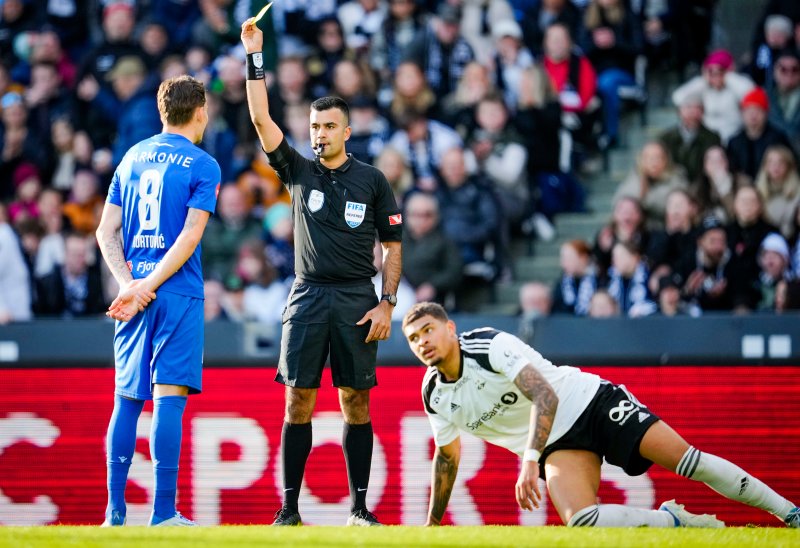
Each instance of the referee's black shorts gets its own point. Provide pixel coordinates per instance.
(320, 320)
(612, 426)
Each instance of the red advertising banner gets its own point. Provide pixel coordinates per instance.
(53, 422)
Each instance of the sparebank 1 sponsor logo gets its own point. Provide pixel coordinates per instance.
(499, 408)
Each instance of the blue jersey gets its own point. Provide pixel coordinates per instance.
(155, 184)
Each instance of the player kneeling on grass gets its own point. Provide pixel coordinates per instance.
(496, 387)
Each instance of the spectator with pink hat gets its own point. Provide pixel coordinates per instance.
(722, 89)
(28, 186)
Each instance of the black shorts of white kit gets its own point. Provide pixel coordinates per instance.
(320, 320)
(612, 426)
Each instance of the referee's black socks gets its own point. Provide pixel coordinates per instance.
(296, 444)
(357, 447)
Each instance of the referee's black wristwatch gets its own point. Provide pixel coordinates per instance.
(391, 298)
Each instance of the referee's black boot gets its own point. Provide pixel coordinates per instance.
(363, 518)
(287, 516)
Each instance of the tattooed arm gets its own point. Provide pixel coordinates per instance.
(543, 411)
(110, 243)
(443, 477)
(108, 238)
(173, 260)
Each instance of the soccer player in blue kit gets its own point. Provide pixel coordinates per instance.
(161, 197)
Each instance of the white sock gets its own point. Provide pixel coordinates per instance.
(729, 480)
(617, 515)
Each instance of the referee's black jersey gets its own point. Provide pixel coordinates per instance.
(336, 215)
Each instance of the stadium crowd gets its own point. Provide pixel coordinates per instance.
(482, 114)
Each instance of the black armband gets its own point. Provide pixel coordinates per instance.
(255, 66)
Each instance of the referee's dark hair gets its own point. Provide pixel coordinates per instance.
(327, 103)
(178, 98)
(435, 310)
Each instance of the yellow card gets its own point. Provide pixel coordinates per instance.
(261, 13)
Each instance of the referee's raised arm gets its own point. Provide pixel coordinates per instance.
(268, 131)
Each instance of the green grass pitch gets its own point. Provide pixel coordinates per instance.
(350, 537)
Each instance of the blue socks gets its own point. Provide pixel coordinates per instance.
(120, 445)
(165, 450)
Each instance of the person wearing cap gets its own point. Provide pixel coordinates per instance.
(787, 8)
(747, 147)
(722, 89)
(778, 35)
(783, 92)
(510, 59)
(711, 279)
(118, 23)
(27, 187)
(478, 19)
(775, 267)
(688, 141)
(441, 51)
(130, 105)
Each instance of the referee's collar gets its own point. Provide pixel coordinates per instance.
(344, 167)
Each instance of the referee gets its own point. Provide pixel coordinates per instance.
(339, 204)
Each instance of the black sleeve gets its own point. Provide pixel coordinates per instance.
(428, 384)
(388, 219)
(283, 160)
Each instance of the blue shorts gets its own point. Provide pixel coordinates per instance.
(162, 345)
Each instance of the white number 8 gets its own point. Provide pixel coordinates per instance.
(149, 194)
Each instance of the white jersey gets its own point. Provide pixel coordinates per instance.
(485, 402)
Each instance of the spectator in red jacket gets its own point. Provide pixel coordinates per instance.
(571, 73)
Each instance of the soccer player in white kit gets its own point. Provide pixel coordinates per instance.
(491, 384)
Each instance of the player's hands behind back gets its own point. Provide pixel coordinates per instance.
(131, 299)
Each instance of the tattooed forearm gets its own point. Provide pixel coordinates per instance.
(443, 478)
(545, 402)
(111, 248)
(392, 268)
(192, 218)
